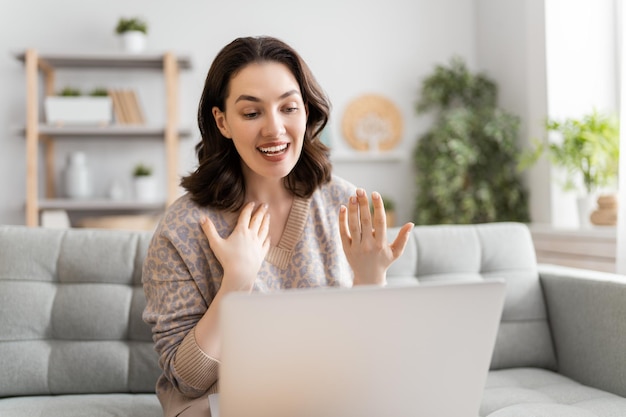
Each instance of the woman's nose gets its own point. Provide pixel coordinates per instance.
(274, 126)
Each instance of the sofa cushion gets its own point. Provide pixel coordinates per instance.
(70, 308)
(501, 251)
(86, 405)
(527, 392)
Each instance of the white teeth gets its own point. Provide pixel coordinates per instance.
(274, 149)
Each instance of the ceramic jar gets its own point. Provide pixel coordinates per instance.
(76, 176)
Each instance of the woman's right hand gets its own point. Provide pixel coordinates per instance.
(242, 253)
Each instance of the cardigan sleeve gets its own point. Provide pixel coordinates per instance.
(175, 302)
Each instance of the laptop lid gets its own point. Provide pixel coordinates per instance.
(368, 351)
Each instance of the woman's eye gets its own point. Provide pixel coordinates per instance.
(291, 109)
(250, 115)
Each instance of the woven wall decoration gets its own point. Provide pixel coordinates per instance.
(372, 122)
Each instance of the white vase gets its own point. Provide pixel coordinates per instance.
(585, 207)
(76, 176)
(146, 189)
(133, 41)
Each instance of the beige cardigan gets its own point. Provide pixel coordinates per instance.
(181, 276)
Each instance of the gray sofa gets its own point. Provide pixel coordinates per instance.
(561, 344)
(72, 342)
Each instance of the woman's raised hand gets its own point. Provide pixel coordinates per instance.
(242, 253)
(364, 239)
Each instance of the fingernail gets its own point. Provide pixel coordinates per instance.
(375, 195)
(360, 192)
(353, 200)
(203, 220)
(342, 209)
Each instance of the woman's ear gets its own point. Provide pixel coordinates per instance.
(220, 121)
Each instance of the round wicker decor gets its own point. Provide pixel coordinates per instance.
(372, 122)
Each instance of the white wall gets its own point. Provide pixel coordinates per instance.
(582, 75)
(621, 214)
(511, 49)
(352, 46)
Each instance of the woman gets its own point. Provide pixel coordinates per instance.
(262, 212)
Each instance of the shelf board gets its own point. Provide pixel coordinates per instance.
(119, 131)
(98, 205)
(593, 231)
(111, 60)
(388, 156)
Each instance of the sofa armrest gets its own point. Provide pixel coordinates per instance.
(587, 315)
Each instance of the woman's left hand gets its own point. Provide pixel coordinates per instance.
(364, 239)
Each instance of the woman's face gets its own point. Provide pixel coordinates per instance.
(265, 117)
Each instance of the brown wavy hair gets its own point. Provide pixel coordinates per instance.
(218, 180)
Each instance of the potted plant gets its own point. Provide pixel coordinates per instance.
(133, 33)
(464, 162)
(144, 183)
(71, 107)
(587, 150)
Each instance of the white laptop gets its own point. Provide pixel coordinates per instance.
(364, 352)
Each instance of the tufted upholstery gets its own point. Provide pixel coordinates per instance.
(522, 381)
(530, 392)
(484, 252)
(71, 304)
(70, 317)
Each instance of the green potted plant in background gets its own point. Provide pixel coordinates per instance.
(588, 151)
(70, 92)
(71, 107)
(133, 33)
(466, 162)
(144, 183)
(99, 92)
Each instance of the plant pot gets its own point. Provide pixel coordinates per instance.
(606, 213)
(146, 189)
(133, 41)
(78, 110)
(585, 205)
(390, 218)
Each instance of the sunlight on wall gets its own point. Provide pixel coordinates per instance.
(581, 59)
(621, 215)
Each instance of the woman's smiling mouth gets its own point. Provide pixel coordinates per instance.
(273, 150)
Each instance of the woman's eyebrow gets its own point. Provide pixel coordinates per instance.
(289, 93)
(245, 97)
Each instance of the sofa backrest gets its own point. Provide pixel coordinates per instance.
(483, 252)
(70, 312)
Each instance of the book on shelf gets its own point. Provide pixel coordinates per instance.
(118, 112)
(126, 107)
